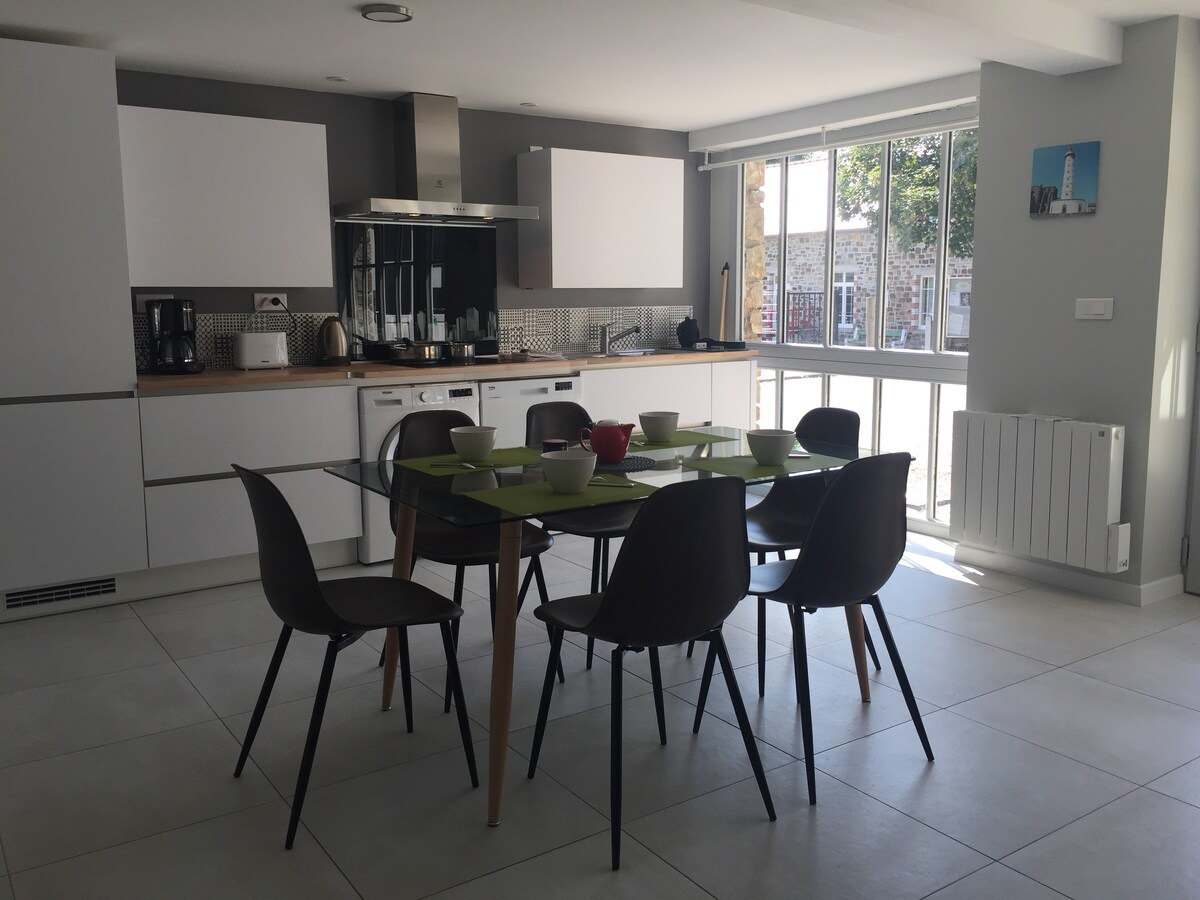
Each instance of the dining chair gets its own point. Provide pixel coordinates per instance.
(342, 610)
(781, 521)
(852, 547)
(563, 419)
(681, 570)
(427, 433)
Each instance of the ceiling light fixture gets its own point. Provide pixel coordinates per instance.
(386, 12)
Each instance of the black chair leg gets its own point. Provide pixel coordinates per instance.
(525, 582)
(889, 642)
(591, 643)
(464, 724)
(762, 646)
(800, 654)
(406, 679)
(459, 572)
(691, 647)
(656, 681)
(614, 776)
(871, 646)
(705, 682)
(263, 696)
(739, 709)
(314, 732)
(535, 567)
(598, 547)
(539, 730)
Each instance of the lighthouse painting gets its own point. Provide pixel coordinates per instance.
(1065, 180)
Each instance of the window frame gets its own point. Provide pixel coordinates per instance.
(940, 363)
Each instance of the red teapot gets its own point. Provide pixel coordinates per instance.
(609, 440)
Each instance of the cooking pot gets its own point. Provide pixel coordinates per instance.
(462, 353)
(424, 353)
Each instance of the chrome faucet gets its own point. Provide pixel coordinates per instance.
(606, 340)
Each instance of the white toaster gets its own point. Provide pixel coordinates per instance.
(260, 350)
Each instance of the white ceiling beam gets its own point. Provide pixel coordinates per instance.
(1034, 34)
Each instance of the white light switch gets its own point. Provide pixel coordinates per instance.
(1093, 307)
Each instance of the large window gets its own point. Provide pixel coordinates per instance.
(876, 240)
(896, 415)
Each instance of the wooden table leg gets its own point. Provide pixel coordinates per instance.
(858, 645)
(406, 526)
(504, 640)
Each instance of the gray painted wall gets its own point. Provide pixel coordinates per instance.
(359, 133)
(1028, 353)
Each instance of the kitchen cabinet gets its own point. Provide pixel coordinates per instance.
(195, 506)
(733, 385)
(216, 201)
(607, 220)
(72, 488)
(621, 393)
(65, 286)
(192, 521)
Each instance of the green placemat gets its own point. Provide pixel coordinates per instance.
(679, 439)
(498, 459)
(746, 467)
(536, 498)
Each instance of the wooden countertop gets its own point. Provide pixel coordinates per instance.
(364, 373)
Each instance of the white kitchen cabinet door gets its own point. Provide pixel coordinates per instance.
(733, 393)
(606, 220)
(201, 434)
(225, 201)
(71, 485)
(195, 521)
(64, 288)
(622, 393)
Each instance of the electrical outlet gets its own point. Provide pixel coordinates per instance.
(270, 301)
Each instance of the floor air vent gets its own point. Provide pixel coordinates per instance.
(38, 596)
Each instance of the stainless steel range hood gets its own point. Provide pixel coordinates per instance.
(428, 171)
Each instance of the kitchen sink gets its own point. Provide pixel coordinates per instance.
(639, 351)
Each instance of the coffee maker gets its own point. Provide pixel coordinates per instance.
(172, 325)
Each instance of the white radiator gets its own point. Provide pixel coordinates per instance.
(1040, 486)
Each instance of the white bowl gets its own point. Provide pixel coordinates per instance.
(658, 426)
(473, 443)
(568, 471)
(770, 446)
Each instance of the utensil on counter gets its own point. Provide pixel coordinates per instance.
(408, 352)
(462, 353)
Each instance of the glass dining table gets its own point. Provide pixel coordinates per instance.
(509, 488)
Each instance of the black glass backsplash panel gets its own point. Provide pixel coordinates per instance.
(425, 282)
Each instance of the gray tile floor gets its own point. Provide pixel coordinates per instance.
(1066, 728)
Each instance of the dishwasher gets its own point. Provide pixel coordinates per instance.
(503, 403)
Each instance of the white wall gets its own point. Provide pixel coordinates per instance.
(1028, 353)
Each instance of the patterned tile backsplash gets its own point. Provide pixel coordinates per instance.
(558, 330)
(577, 330)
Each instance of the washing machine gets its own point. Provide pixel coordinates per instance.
(380, 411)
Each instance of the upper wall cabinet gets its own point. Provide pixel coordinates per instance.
(64, 277)
(224, 201)
(608, 220)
